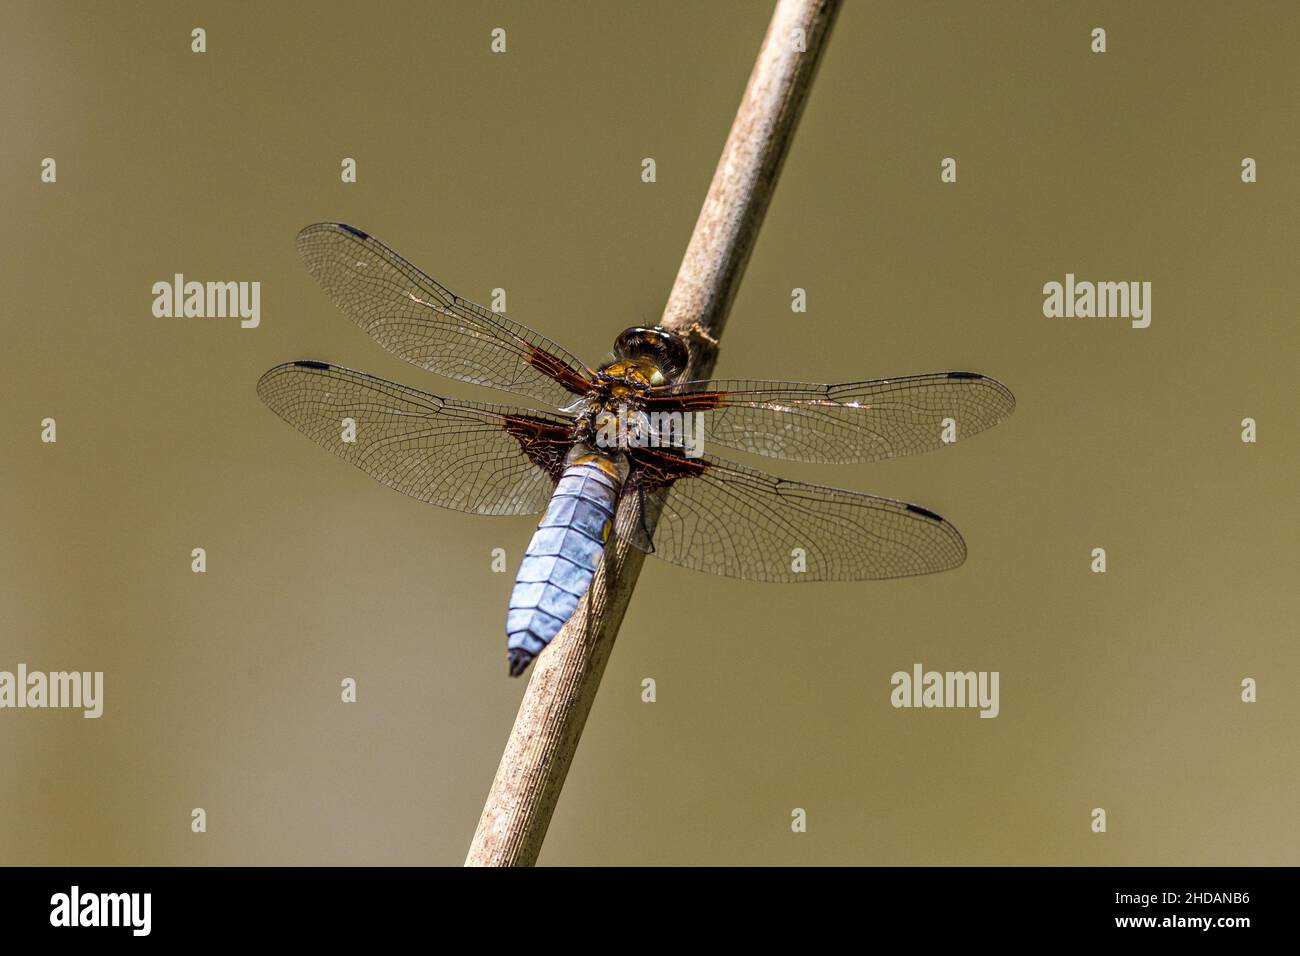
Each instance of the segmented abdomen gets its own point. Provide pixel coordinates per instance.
(560, 560)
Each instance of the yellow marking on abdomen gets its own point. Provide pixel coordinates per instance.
(600, 461)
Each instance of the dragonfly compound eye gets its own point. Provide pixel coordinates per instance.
(667, 350)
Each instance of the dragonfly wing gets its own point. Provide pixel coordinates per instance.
(421, 321)
(716, 516)
(468, 456)
(853, 422)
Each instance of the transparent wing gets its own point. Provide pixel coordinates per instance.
(419, 320)
(854, 422)
(468, 456)
(716, 516)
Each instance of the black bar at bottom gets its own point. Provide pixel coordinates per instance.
(237, 904)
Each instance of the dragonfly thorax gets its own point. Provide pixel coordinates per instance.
(611, 415)
(612, 419)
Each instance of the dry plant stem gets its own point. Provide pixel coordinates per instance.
(567, 674)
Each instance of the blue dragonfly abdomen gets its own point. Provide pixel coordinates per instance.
(562, 557)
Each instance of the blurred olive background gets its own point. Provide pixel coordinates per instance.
(522, 171)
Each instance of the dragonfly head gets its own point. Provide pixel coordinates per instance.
(664, 350)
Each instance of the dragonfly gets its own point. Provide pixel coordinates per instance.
(633, 428)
